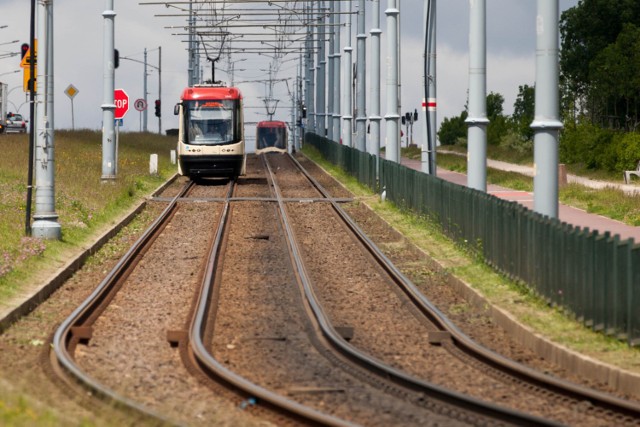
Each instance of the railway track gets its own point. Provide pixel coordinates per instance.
(443, 333)
(78, 327)
(338, 374)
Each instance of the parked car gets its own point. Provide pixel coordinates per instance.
(15, 123)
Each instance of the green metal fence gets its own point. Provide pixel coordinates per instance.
(356, 163)
(594, 276)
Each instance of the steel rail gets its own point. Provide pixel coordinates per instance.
(208, 364)
(466, 344)
(398, 377)
(70, 330)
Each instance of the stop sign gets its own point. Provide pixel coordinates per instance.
(121, 99)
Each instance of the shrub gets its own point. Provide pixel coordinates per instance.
(587, 144)
(628, 151)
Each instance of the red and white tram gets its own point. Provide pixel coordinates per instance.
(211, 132)
(271, 136)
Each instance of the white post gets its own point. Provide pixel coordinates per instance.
(153, 164)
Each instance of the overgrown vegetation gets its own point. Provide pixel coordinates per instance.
(83, 201)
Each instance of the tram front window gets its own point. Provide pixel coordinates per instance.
(210, 122)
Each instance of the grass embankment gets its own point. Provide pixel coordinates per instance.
(609, 202)
(85, 205)
(82, 201)
(499, 291)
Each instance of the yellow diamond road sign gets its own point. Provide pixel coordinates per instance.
(71, 91)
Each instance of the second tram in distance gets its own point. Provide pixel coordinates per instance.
(211, 132)
(271, 136)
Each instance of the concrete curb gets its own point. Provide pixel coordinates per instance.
(584, 366)
(35, 297)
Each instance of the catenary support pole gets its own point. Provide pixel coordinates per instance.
(300, 102)
(190, 52)
(330, 75)
(337, 58)
(311, 69)
(321, 125)
(108, 106)
(361, 82)
(347, 99)
(392, 118)
(546, 123)
(477, 119)
(375, 118)
(45, 218)
(429, 130)
(294, 118)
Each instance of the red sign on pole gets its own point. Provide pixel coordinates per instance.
(121, 99)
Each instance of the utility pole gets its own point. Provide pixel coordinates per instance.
(160, 87)
(477, 120)
(546, 123)
(144, 95)
(32, 115)
(45, 224)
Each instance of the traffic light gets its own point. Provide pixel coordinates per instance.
(24, 49)
(158, 112)
(116, 58)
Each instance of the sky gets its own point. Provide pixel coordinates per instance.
(78, 58)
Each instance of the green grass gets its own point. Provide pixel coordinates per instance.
(509, 155)
(82, 201)
(511, 296)
(610, 203)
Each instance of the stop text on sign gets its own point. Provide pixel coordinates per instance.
(121, 101)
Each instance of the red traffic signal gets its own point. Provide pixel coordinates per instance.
(158, 111)
(24, 49)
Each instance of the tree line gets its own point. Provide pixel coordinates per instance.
(599, 92)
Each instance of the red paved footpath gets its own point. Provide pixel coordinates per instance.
(568, 214)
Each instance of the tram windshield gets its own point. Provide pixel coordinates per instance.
(212, 122)
(271, 137)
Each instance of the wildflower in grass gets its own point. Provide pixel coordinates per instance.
(31, 246)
